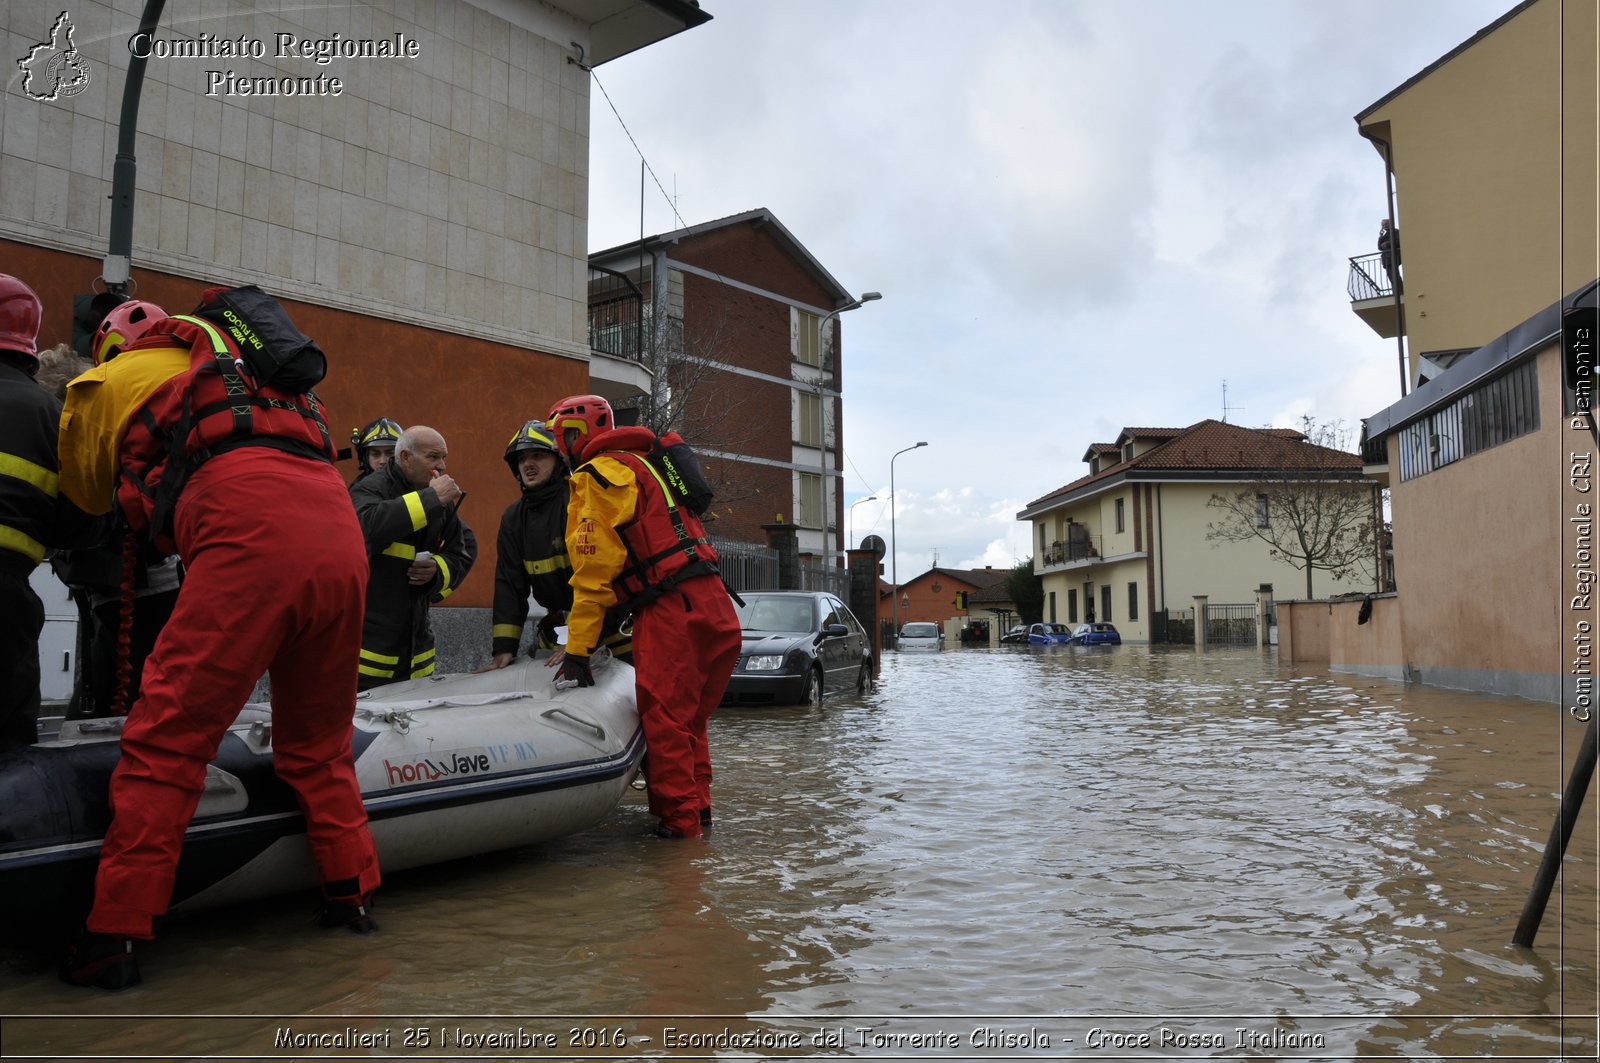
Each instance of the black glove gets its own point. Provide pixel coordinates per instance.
(575, 670)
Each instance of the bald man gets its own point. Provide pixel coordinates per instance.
(419, 549)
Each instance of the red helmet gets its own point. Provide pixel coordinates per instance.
(20, 314)
(125, 323)
(577, 419)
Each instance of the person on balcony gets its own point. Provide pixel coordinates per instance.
(1389, 244)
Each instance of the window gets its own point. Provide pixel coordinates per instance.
(1052, 606)
(1121, 516)
(1133, 601)
(808, 338)
(1072, 606)
(808, 412)
(810, 514)
(1263, 512)
(1127, 451)
(1105, 602)
(1486, 416)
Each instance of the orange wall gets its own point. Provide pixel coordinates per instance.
(476, 392)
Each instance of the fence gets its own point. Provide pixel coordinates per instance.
(1231, 625)
(747, 566)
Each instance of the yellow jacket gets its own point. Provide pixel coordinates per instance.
(596, 512)
(94, 420)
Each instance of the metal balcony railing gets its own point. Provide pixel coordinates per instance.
(1368, 278)
(1065, 553)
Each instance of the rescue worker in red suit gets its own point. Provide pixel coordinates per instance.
(633, 547)
(276, 575)
(31, 515)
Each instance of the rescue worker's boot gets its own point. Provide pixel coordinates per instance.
(102, 960)
(344, 906)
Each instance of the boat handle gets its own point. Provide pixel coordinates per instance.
(599, 732)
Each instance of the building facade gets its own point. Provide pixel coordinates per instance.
(739, 326)
(410, 178)
(1490, 159)
(1133, 541)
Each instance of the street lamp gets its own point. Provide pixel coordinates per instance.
(822, 420)
(894, 569)
(850, 523)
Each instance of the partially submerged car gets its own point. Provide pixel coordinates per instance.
(797, 645)
(921, 635)
(1097, 634)
(1017, 636)
(1049, 634)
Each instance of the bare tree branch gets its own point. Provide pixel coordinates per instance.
(1316, 514)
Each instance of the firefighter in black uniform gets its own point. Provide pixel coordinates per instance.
(420, 551)
(33, 519)
(531, 550)
(374, 445)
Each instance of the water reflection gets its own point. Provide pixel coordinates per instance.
(1147, 839)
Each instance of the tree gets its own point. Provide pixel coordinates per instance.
(1027, 592)
(1310, 504)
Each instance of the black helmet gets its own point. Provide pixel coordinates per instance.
(380, 433)
(532, 436)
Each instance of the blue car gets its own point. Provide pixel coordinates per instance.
(1049, 635)
(1098, 634)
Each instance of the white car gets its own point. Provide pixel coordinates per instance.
(921, 635)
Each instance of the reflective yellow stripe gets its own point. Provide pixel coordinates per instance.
(424, 672)
(29, 473)
(368, 655)
(549, 564)
(419, 518)
(380, 673)
(507, 631)
(425, 655)
(618, 643)
(404, 551)
(444, 570)
(30, 548)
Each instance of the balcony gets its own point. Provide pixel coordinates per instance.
(1079, 553)
(1372, 295)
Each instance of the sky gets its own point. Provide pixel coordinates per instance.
(1082, 215)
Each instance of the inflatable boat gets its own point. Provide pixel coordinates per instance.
(450, 766)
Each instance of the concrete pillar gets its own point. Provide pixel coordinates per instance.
(1200, 601)
(785, 538)
(1263, 615)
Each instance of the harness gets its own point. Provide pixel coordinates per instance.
(682, 561)
(209, 410)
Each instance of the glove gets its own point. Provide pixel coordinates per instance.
(575, 670)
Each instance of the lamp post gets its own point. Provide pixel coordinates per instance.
(850, 523)
(894, 568)
(822, 418)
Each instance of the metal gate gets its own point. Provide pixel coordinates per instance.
(1231, 625)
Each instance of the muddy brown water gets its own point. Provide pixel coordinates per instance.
(1107, 853)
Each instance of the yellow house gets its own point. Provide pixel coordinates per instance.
(1490, 169)
(1136, 539)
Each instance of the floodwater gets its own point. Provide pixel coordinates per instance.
(1121, 852)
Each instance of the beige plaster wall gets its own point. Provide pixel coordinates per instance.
(1495, 167)
(1479, 548)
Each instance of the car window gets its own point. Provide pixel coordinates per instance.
(921, 631)
(772, 613)
(843, 615)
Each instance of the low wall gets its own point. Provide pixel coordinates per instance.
(1330, 633)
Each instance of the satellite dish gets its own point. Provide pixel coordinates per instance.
(876, 544)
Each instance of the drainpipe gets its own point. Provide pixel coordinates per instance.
(117, 268)
(1399, 286)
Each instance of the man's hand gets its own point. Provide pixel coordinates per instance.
(575, 670)
(422, 571)
(444, 485)
(500, 660)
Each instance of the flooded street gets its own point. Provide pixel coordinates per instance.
(1011, 853)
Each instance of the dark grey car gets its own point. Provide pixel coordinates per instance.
(797, 645)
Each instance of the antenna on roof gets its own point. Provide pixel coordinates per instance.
(1225, 406)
